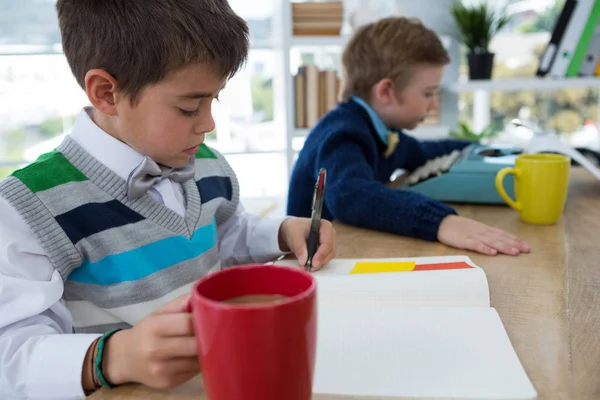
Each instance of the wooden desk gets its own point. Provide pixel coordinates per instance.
(549, 300)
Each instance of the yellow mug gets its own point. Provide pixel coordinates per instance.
(541, 186)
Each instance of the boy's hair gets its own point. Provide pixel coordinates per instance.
(389, 48)
(139, 42)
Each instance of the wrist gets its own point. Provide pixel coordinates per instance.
(444, 224)
(114, 360)
(282, 235)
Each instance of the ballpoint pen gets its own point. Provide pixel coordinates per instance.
(315, 224)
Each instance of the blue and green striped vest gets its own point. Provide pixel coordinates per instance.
(120, 259)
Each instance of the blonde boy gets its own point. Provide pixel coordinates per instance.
(392, 73)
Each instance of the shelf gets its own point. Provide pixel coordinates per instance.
(421, 132)
(301, 132)
(430, 132)
(517, 84)
(319, 41)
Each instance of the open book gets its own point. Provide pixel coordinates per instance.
(418, 328)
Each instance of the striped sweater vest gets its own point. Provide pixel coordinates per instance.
(120, 259)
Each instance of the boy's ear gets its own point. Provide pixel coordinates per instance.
(102, 90)
(384, 91)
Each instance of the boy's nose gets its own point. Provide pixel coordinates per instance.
(434, 104)
(205, 125)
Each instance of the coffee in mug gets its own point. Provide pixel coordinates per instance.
(256, 299)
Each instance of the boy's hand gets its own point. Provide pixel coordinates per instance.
(468, 234)
(293, 235)
(159, 351)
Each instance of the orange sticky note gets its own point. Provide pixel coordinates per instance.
(442, 266)
(373, 267)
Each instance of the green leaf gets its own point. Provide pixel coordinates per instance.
(477, 24)
(465, 132)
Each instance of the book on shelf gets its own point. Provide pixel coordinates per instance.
(323, 18)
(412, 328)
(315, 93)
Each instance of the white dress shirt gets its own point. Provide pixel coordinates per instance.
(39, 356)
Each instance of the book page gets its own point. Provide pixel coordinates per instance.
(552, 143)
(464, 287)
(417, 353)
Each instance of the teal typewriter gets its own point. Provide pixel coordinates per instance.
(465, 176)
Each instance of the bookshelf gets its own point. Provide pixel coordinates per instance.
(431, 12)
(424, 132)
(434, 14)
(482, 91)
(319, 41)
(518, 84)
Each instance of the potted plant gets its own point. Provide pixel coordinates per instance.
(477, 24)
(464, 132)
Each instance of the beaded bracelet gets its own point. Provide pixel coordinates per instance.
(98, 359)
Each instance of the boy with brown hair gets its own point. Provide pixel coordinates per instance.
(392, 71)
(102, 239)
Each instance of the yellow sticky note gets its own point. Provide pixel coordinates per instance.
(373, 267)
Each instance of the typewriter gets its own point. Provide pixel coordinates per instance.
(465, 176)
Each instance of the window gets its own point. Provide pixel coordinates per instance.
(37, 94)
(39, 98)
(572, 112)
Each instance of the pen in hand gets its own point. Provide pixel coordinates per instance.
(315, 224)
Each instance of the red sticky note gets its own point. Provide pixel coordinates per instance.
(442, 266)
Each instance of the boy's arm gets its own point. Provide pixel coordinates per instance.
(418, 152)
(355, 197)
(37, 358)
(246, 238)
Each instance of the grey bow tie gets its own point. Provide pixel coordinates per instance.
(149, 173)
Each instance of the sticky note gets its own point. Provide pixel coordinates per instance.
(373, 267)
(442, 266)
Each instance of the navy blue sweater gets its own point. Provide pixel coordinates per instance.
(345, 143)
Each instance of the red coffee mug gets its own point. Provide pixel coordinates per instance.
(261, 351)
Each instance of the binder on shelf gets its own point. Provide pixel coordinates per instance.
(573, 33)
(590, 60)
(549, 54)
(585, 40)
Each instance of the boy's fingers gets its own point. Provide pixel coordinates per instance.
(507, 244)
(301, 253)
(516, 242)
(480, 247)
(174, 324)
(500, 232)
(326, 250)
(178, 347)
(322, 260)
(178, 305)
(184, 365)
(503, 245)
(485, 249)
(325, 253)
